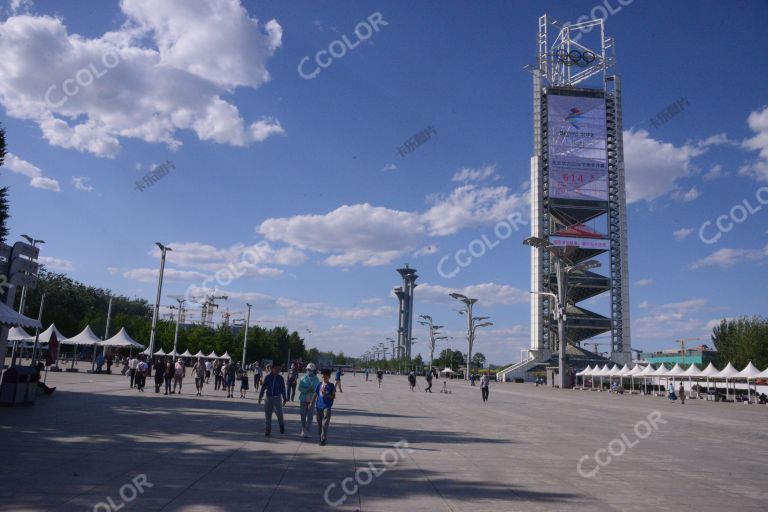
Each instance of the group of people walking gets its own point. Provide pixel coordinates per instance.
(316, 397)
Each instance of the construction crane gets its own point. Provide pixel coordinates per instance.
(227, 314)
(682, 347)
(209, 305)
(183, 312)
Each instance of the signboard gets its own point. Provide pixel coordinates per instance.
(581, 243)
(578, 161)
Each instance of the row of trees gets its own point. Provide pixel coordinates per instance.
(742, 340)
(72, 306)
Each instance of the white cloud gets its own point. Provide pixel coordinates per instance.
(758, 123)
(426, 251)
(487, 293)
(687, 197)
(56, 264)
(166, 69)
(79, 183)
(351, 234)
(682, 233)
(113, 270)
(670, 321)
(374, 235)
(389, 167)
(719, 139)
(149, 275)
(249, 260)
(17, 6)
(471, 206)
(643, 282)
(715, 172)
(482, 173)
(34, 173)
(653, 167)
(727, 257)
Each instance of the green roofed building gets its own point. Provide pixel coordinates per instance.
(701, 356)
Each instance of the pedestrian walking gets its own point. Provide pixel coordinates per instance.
(326, 394)
(133, 364)
(681, 392)
(274, 388)
(484, 382)
(338, 379)
(110, 360)
(379, 377)
(125, 367)
(428, 389)
(307, 397)
(256, 375)
(366, 375)
(159, 368)
(168, 375)
(243, 382)
(180, 371)
(208, 368)
(230, 374)
(198, 371)
(217, 375)
(293, 377)
(412, 380)
(141, 374)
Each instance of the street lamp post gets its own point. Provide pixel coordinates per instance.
(23, 298)
(562, 270)
(468, 303)
(245, 336)
(181, 302)
(433, 329)
(156, 311)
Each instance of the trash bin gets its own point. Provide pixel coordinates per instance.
(19, 386)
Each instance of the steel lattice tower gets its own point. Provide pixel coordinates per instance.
(577, 177)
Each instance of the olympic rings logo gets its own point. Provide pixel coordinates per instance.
(575, 57)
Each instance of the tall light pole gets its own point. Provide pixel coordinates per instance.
(245, 336)
(23, 298)
(156, 311)
(392, 341)
(468, 303)
(562, 270)
(433, 329)
(181, 302)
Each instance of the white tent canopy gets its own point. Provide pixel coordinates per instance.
(647, 371)
(86, 337)
(692, 371)
(212, 355)
(624, 372)
(10, 317)
(18, 334)
(604, 371)
(586, 371)
(749, 372)
(763, 374)
(661, 371)
(226, 356)
(45, 336)
(121, 339)
(186, 353)
(676, 371)
(709, 371)
(160, 352)
(615, 371)
(199, 354)
(446, 370)
(728, 372)
(637, 370)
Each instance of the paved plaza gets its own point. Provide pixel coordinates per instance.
(95, 442)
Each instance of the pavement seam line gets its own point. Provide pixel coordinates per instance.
(282, 477)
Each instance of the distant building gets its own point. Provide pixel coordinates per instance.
(701, 356)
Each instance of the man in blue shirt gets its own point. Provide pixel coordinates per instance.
(326, 393)
(274, 386)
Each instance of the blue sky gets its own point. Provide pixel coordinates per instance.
(308, 170)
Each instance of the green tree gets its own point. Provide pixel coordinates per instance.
(742, 340)
(478, 359)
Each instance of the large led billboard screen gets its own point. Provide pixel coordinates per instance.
(578, 162)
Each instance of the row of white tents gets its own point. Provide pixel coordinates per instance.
(639, 371)
(87, 338)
